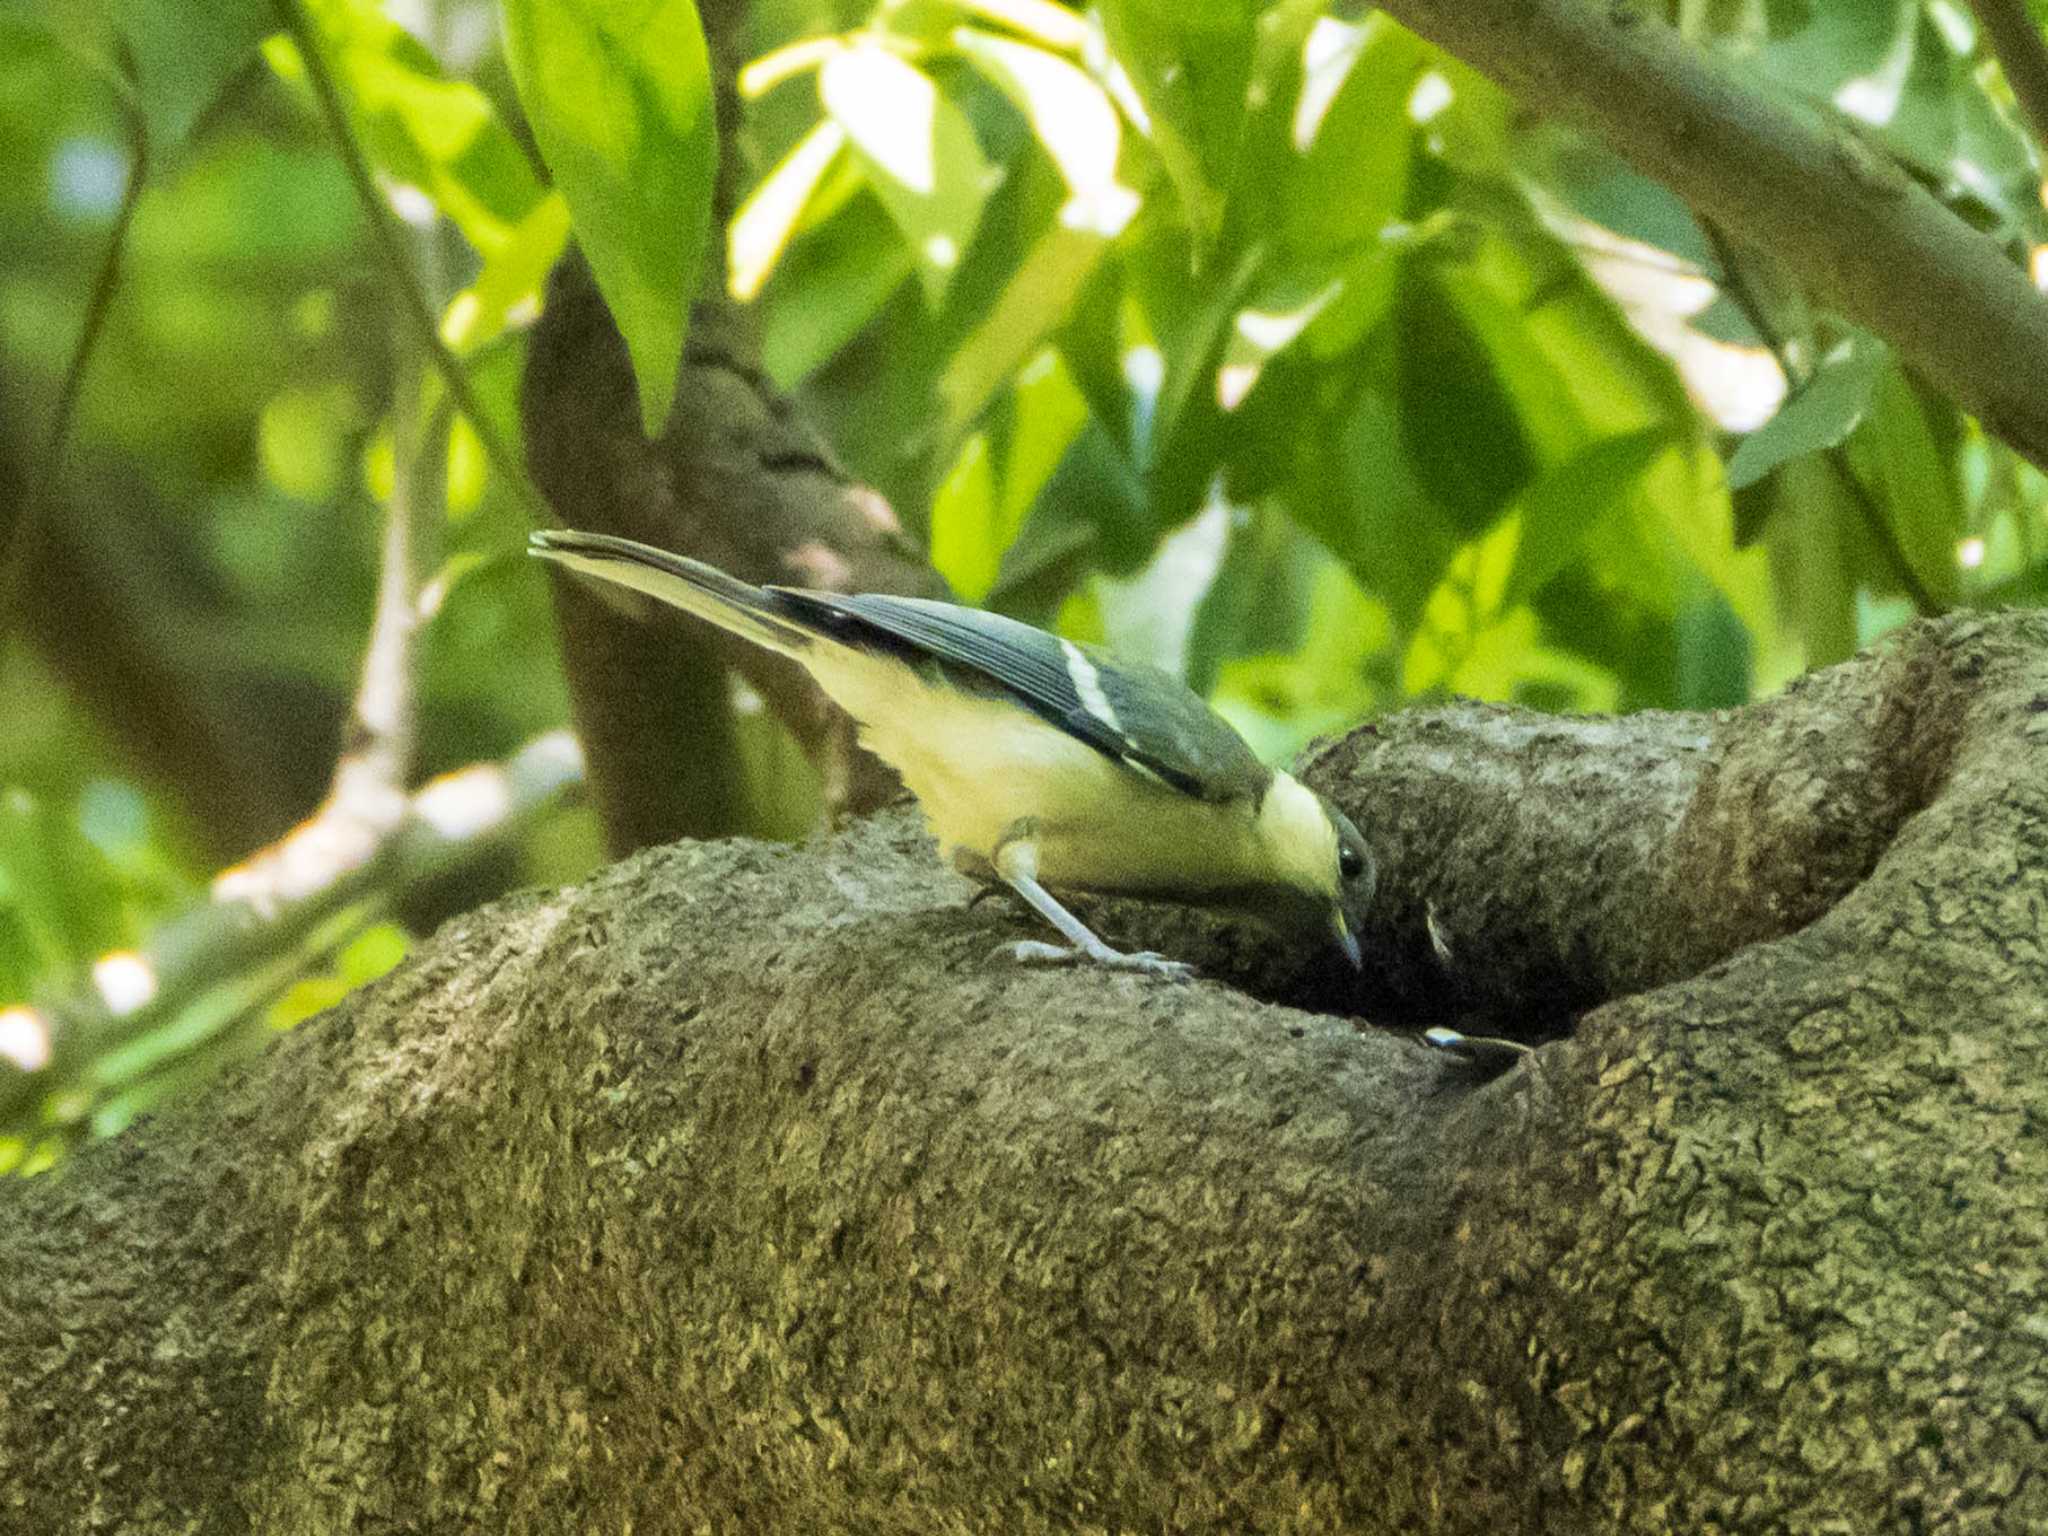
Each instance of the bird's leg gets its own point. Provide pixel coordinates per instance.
(975, 867)
(1016, 860)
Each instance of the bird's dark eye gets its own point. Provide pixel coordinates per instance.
(1350, 862)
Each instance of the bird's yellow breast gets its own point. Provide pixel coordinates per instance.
(980, 765)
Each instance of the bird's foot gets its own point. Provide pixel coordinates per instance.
(1033, 952)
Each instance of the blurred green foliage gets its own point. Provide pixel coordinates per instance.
(1261, 340)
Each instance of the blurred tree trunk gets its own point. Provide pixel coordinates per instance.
(737, 477)
(740, 1190)
(114, 596)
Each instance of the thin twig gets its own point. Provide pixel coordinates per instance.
(370, 778)
(18, 535)
(2022, 55)
(1735, 283)
(291, 16)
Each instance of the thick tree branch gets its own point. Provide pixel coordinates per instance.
(1842, 217)
(740, 1190)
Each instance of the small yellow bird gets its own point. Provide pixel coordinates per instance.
(1042, 763)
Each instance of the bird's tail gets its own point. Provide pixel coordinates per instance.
(687, 584)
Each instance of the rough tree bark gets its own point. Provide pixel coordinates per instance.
(739, 1190)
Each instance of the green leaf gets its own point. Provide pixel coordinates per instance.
(967, 536)
(59, 902)
(1190, 63)
(185, 53)
(619, 96)
(1281, 701)
(1459, 423)
(1351, 177)
(920, 153)
(1899, 447)
(766, 220)
(510, 279)
(1566, 504)
(418, 126)
(1359, 494)
(1277, 313)
(1036, 302)
(1073, 121)
(1090, 514)
(1257, 602)
(834, 280)
(1820, 414)
(1715, 654)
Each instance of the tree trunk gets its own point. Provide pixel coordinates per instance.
(740, 1189)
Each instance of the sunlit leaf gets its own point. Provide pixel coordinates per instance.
(1821, 413)
(1190, 63)
(619, 96)
(369, 955)
(767, 219)
(920, 153)
(1047, 412)
(1350, 177)
(760, 76)
(419, 127)
(1564, 506)
(508, 286)
(1046, 24)
(1070, 116)
(967, 536)
(1467, 602)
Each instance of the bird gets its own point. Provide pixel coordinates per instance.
(1040, 763)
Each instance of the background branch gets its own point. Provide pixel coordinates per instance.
(1844, 219)
(739, 478)
(2022, 55)
(20, 531)
(451, 821)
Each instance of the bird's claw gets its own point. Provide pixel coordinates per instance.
(1034, 952)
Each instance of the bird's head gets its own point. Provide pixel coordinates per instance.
(1324, 868)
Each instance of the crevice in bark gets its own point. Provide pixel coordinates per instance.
(1705, 835)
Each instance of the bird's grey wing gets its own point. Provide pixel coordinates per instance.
(1135, 714)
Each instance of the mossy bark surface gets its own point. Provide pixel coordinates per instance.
(739, 1189)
